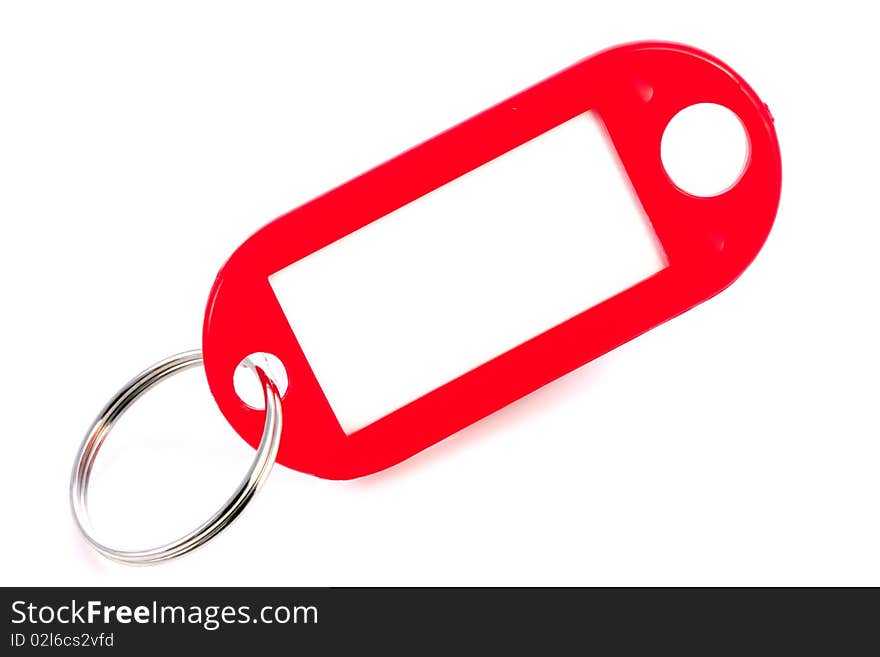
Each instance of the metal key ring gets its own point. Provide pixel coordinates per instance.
(127, 395)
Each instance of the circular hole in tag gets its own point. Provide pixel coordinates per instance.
(704, 149)
(248, 387)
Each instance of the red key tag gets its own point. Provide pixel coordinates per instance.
(262, 302)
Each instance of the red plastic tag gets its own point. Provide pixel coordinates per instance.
(635, 89)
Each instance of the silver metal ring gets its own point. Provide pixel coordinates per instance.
(127, 395)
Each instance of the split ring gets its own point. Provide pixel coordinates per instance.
(100, 429)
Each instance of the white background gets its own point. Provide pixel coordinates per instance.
(737, 444)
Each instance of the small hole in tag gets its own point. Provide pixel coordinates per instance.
(704, 149)
(247, 386)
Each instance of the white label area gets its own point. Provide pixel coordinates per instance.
(468, 271)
